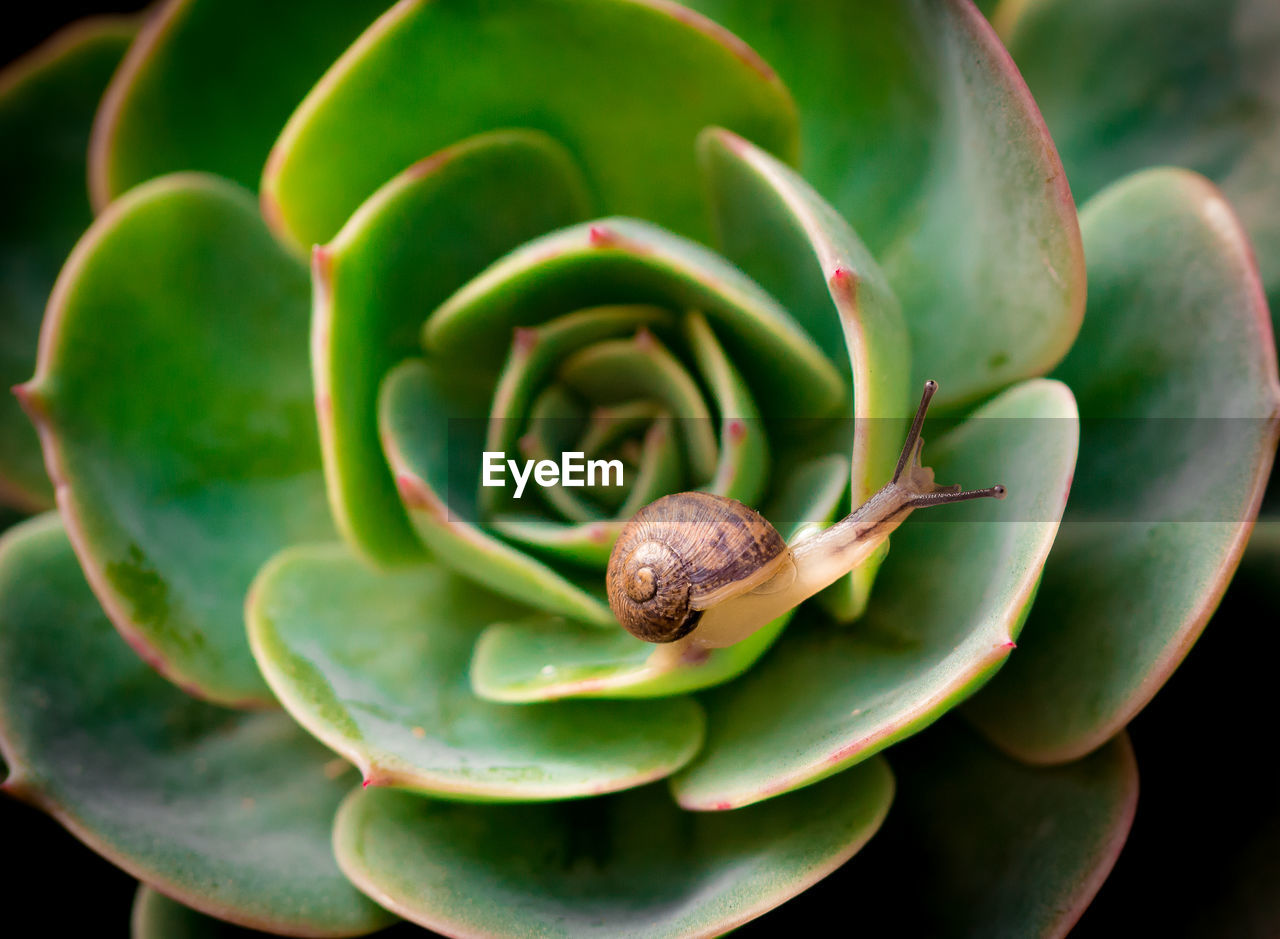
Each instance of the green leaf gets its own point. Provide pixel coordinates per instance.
(1175, 372)
(777, 228)
(947, 608)
(548, 658)
(375, 665)
(544, 658)
(950, 176)
(742, 468)
(587, 544)
(413, 242)
(1000, 849)
(265, 57)
(155, 916)
(47, 100)
(174, 402)
(626, 261)
(631, 864)
(626, 85)
(556, 418)
(606, 433)
(420, 407)
(1186, 84)
(228, 812)
(619, 370)
(588, 539)
(536, 355)
(1202, 834)
(519, 422)
(659, 468)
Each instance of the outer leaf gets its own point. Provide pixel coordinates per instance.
(155, 916)
(227, 812)
(1187, 83)
(224, 126)
(952, 596)
(631, 864)
(999, 849)
(420, 408)
(1176, 376)
(1204, 834)
(413, 242)
(47, 100)
(952, 177)
(375, 665)
(173, 400)
(780, 230)
(427, 74)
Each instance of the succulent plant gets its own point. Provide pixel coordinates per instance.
(723, 243)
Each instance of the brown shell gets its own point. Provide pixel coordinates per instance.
(682, 553)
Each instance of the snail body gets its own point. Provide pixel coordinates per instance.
(707, 571)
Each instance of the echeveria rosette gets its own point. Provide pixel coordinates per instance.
(492, 252)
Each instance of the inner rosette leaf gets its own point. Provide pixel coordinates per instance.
(614, 315)
(631, 351)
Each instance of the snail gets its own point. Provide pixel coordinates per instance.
(707, 571)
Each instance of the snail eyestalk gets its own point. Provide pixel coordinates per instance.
(819, 559)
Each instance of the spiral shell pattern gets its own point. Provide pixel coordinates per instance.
(681, 551)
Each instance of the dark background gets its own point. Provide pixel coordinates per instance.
(1203, 858)
(40, 20)
(47, 876)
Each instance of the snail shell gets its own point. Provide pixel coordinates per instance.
(683, 554)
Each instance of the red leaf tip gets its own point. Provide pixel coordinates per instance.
(414, 493)
(428, 165)
(732, 141)
(843, 279)
(322, 262)
(524, 339)
(31, 399)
